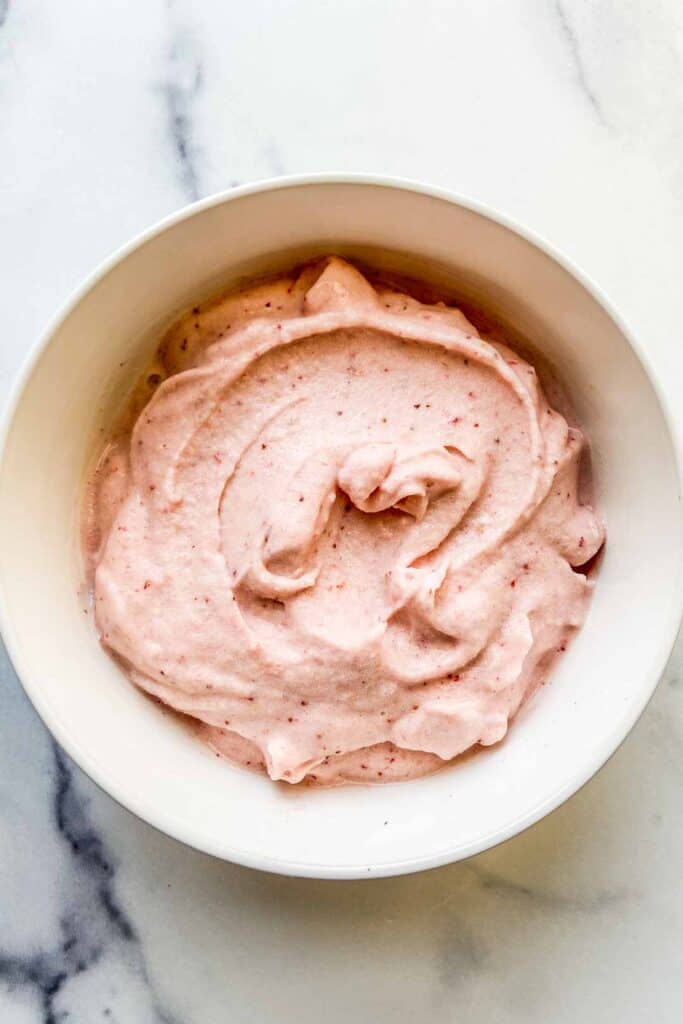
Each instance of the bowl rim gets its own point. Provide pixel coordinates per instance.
(159, 819)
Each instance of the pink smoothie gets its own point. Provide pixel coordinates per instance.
(343, 533)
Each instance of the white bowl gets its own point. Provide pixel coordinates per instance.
(141, 756)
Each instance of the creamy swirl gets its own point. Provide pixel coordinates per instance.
(341, 533)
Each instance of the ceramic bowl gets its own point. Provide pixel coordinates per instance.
(141, 756)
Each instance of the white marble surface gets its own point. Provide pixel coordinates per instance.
(566, 115)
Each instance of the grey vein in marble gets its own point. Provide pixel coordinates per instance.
(458, 952)
(182, 85)
(92, 924)
(273, 158)
(4, 10)
(542, 898)
(572, 40)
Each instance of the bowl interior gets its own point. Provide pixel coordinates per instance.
(142, 756)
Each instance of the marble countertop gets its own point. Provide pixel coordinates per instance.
(567, 116)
